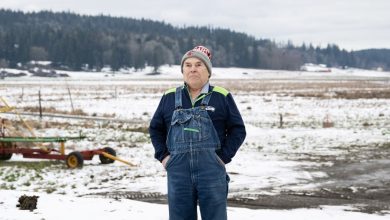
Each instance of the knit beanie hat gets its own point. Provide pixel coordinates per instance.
(201, 53)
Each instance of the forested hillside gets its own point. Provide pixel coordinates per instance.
(92, 42)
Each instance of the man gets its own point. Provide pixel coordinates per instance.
(195, 131)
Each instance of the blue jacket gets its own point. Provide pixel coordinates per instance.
(226, 118)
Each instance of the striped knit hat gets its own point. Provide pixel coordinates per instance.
(201, 53)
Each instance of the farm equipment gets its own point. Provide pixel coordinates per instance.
(16, 145)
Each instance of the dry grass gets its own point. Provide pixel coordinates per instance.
(325, 88)
(17, 127)
(54, 110)
(321, 89)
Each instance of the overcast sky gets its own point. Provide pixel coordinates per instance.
(351, 24)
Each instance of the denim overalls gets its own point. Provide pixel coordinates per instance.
(195, 172)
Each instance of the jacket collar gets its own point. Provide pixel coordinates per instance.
(205, 88)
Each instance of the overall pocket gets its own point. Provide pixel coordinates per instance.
(189, 128)
(169, 162)
(219, 161)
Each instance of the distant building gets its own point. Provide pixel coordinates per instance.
(310, 67)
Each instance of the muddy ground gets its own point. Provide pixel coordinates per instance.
(360, 181)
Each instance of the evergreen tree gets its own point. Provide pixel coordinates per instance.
(80, 41)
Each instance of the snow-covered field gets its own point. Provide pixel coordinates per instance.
(299, 155)
(64, 207)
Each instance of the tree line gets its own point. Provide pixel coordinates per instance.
(78, 42)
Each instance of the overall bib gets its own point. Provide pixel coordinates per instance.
(194, 170)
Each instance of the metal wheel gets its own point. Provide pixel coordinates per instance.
(74, 160)
(106, 160)
(5, 156)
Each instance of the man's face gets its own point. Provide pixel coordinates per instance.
(195, 73)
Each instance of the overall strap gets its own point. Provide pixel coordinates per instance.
(206, 99)
(178, 102)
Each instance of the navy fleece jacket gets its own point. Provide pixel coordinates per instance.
(226, 119)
